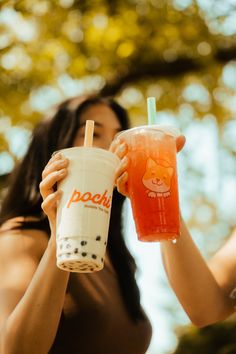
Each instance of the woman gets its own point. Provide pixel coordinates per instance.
(44, 309)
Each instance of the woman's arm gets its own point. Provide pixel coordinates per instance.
(205, 299)
(32, 288)
(31, 295)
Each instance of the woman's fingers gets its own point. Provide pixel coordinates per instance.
(114, 145)
(122, 184)
(180, 142)
(121, 177)
(119, 148)
(55, 171)
(46, 185)
(122, 167)
(56, 163)
(50, 203)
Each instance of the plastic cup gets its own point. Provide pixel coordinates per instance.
(83, 213)
(152, 181)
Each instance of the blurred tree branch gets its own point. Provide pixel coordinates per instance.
(156, 68)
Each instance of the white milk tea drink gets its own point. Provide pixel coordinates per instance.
(83, 213)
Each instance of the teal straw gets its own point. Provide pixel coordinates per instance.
(151, 108)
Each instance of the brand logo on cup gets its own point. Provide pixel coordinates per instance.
(99, 199)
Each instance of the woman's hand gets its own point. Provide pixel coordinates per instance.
(54, 171)
(180, 142)
(120, 148)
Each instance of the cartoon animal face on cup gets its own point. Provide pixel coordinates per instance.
(157, 178)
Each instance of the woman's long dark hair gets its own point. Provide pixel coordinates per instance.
(23, 197)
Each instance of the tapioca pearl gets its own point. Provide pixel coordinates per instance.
(102, 259)
(83, 268)
(83, 243)
(76, 250)
(84, 254)
(94, 256)
(105, 243)
(68, 245)
(98, 238)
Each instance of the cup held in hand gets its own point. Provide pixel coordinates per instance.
(83, 213)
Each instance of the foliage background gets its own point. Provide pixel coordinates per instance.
(183, 52)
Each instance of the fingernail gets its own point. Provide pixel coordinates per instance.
(62, 172)
(57, 155)
(125, 161)
(64, 160)
(122, 147)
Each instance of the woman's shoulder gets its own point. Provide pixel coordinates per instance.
(14, 240)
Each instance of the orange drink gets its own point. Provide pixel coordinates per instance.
(152, 182)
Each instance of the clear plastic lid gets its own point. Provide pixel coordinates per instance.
(167, 129)
(79, 151)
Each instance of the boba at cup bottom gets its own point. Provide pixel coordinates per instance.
(71, 263)
(95, 246)
(81, 254)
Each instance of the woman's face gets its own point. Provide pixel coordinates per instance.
(106, 125)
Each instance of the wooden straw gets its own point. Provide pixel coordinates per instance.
(88, 138)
